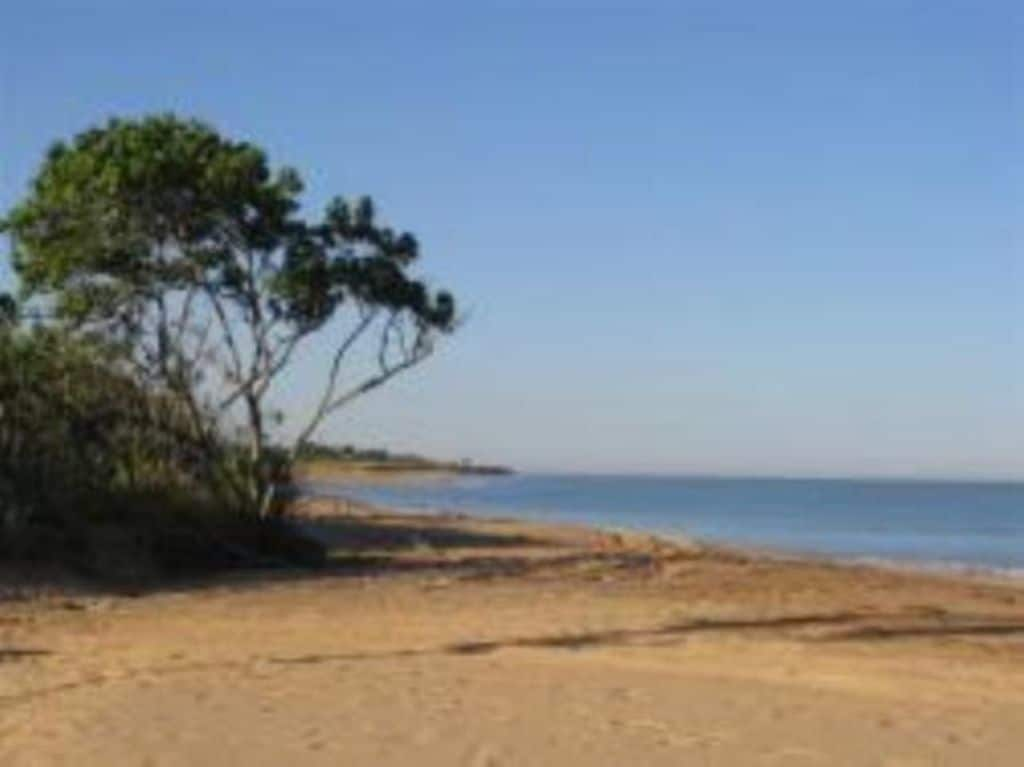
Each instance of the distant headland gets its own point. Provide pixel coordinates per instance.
(323, 461)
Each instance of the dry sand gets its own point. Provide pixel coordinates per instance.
(455, 642)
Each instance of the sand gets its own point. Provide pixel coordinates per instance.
(447, 641)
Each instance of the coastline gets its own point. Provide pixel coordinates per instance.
(355, 481)
(392, 472)
(451, 639)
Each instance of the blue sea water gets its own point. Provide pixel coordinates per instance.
(959, 524)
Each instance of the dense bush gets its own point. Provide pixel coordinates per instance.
(101, 471)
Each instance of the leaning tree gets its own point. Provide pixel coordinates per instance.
(185, 249)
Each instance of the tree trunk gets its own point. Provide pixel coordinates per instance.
(258, 481)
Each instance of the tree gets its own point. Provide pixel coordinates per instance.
(184, 249)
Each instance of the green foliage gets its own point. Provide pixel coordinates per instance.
(8, 311)
(312, 451)
(101, 473)
(185, 251)
(171, 280)
(134, 209)
(78, 435)
(68, 408)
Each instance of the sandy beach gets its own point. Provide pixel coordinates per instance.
(450, 641)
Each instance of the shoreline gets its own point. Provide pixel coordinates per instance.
(1013, 576)
(448, 639)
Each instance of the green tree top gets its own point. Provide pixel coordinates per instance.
(187, 249)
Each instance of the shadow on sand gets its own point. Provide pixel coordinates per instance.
(352, 535)
(386, 545)
(836, 627)
(851, 627)
(8, 654)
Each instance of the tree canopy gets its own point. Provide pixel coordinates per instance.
(187, 251)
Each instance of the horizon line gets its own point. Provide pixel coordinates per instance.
(787, 476)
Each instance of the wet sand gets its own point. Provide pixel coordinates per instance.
(448, 641)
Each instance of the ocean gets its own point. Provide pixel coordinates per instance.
(972, 525)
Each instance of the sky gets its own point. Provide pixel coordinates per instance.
(692, 237)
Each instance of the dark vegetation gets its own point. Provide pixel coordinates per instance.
(318, 451)
(382, 460)
(166, 283)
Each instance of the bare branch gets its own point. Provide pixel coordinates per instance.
(186, 315)
(283, 354)
(225, 326)
(422, 348)
(374, 381)
(366, 320)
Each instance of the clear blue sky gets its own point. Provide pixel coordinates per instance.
(730, 237)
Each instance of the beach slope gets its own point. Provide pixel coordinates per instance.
(448, 641)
